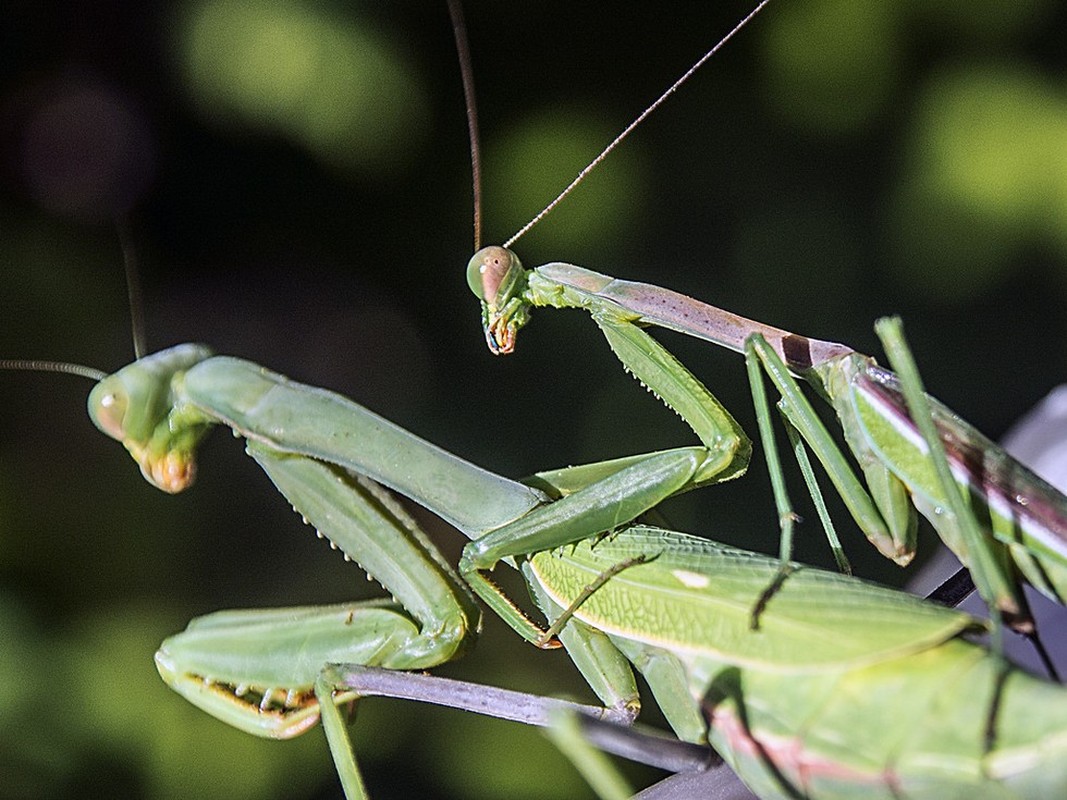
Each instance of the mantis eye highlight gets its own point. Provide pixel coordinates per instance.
(108, 403)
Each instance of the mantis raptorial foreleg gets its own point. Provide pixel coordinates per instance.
(886, 513)
(262, 674)
(679, 611)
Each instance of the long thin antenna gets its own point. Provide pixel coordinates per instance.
(133, 289)
(641, 118)
(53, 366)
(133, 286)
(459, 29)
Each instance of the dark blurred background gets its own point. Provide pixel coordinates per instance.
(296, 179)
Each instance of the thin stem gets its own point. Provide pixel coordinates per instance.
(607, 728)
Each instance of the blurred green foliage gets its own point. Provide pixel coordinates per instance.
(297, 178)
(313, 76)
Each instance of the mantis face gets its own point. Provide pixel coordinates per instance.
(497, 277)
(140, 406)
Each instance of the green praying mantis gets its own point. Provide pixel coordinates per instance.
(1025, 519)
(269, 673)
(1021, 528)
(775, 701)
(395, 622)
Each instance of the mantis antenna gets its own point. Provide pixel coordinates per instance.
(133, 290)
(133, 287)
(625, 132)
(64, 367)
(463, 49)
(459, 29)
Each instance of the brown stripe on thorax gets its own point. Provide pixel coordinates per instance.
(796, 350)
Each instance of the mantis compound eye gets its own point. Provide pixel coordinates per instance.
(492, 273)
(108, 404)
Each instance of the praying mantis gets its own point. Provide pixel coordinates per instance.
(1026, 532)
(210, 239)
(1023, 533)
(677, 607)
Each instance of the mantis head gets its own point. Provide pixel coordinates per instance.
(497, 277)
(140, 406)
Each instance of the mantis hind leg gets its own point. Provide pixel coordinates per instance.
(990, 568)
(786, 515)
(344, 758)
